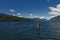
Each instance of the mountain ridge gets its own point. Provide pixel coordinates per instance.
(10, 18)
(55, 19)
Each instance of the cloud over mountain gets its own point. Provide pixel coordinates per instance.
(35, 16)
(55, 10)
(11, 10)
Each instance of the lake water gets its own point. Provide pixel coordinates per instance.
(29, 31)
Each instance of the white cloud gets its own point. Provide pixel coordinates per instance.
(41, 17)
(48, 18)
(18, 14)
(55, 11)
(11, 10)
(35, 16)
(13, 14)
(30, 14)
(58, 6)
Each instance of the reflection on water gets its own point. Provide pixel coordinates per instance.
(38, 34)
(29, 31)
(55, 31)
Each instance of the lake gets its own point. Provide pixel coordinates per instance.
(29, 31)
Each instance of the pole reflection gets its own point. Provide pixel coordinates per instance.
(38, 34)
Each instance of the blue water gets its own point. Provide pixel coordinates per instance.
(29, 31)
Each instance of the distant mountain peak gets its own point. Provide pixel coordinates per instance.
(55, 19)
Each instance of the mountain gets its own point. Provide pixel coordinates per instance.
(55, 19)
(40, 20)
(36, 18)
(9, 18)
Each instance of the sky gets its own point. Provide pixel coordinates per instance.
(31, 8)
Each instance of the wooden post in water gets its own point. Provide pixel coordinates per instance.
(38, 25)
(38, 31)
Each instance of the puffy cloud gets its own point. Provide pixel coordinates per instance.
(42, 17)
(55, 11)
(58, 6)
(11, 10)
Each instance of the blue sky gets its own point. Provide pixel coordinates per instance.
(28, 8)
